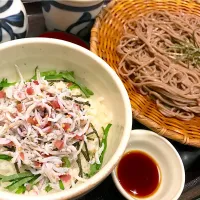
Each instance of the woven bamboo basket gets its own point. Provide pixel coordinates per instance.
(105, 37)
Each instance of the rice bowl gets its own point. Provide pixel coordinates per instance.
(48, 53)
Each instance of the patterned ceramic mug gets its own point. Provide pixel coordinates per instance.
(13, 20)
(72, 16)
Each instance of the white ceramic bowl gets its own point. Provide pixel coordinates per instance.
(92, 71)
(168, 160)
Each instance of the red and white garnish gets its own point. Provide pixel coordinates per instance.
(42, 122)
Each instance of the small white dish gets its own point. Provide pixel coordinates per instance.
(168, 160)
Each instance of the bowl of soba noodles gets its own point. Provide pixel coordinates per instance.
(60, 131)
(155, 50)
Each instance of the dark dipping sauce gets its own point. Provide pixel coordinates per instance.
(138, 174)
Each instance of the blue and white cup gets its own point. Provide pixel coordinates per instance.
(72, 16)
(13, 20)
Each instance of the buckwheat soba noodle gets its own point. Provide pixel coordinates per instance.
(161, 57)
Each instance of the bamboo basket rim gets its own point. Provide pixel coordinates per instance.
(149, 123)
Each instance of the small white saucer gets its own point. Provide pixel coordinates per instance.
(168, 160)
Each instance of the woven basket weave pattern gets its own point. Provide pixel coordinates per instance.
(105, 37)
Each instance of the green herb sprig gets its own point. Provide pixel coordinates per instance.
(95, 167)
(5, 157)
(4, 83)
(187, 51)
(67, 76)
